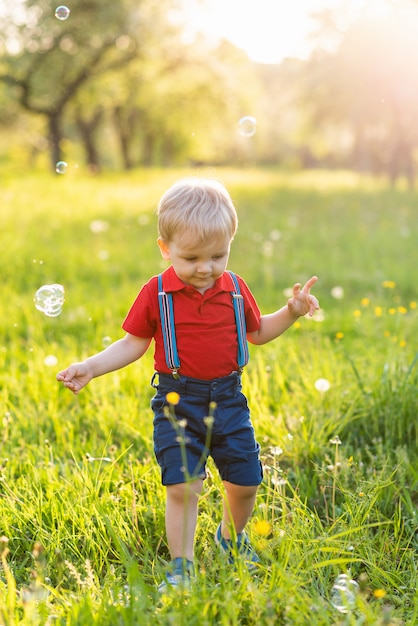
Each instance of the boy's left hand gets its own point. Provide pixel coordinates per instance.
(302, 301)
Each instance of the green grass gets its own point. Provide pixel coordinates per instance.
(80, 497)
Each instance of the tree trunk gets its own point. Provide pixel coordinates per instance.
(124, 135)
(87, 129)
(55, 137)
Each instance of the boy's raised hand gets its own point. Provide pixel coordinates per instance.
(302, 301)
(75, 377)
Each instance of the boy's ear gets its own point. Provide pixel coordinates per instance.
(164, 249)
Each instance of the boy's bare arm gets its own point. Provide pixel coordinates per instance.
(116, 356)
(274, 324)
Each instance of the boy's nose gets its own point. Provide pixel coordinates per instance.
(204, 267)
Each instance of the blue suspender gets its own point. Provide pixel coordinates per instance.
(165, 301)
(238, 301)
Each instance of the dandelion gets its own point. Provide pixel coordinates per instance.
(386, 333)
(392, 310)
(103, 255)
(318, 316)
(99, 226)
(336, 441)
(173, 398)
(389, 284)
(412, 305)
(379, 593)
(182, 423)
(322, 385)
(275, 235)
(276, 451)
(337, 292)
(297, 325)
(268, 248)
(339, 335)
(365, 302)
(262, 528)
(402, 309)
(357, 313)
(50, 360)
(378, 311)
(402, 343)
(279, 482)
(208, 421)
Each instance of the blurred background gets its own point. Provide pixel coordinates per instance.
(120, 84)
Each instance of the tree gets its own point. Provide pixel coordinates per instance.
(48, 60)
(368, 89)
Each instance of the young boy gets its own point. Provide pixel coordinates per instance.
(200, 317)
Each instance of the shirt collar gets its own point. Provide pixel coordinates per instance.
(171, 282)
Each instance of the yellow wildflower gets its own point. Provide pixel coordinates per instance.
(357, 313)
(412, 305)
(365, 302)
(392, 311)
(402, 309)
(378, 311)
(379, 593)
(339, 335)
(262, 528)
(173, 397)
(389, 284)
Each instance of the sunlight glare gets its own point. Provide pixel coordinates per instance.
(270, 30)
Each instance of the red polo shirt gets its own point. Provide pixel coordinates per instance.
(206, 332)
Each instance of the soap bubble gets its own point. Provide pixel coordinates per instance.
(61, 167)
(49, 299)
(62, 12)
(247, 126)
(343, 594)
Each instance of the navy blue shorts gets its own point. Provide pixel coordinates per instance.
(231, 444)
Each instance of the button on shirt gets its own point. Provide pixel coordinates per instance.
(205, 325)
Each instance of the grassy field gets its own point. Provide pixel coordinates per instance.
(334, 405)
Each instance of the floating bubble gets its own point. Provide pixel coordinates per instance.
(247, 126)
(343, 594)
(61, 167)
(49, 299)
(106, 341)
(62, 12)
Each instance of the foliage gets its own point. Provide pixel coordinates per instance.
(119, 85)
(81, 503)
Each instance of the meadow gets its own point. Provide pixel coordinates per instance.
(334, 404)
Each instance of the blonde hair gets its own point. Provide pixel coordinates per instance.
(201, 206)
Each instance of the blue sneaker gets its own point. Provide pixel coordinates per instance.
(241, 547)
(178, 574)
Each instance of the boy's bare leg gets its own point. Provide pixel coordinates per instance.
(238, 507)
(181, 518)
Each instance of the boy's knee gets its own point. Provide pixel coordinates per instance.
(241, 491)
(180, 490)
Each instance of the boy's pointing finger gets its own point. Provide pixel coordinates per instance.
(309, 283)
